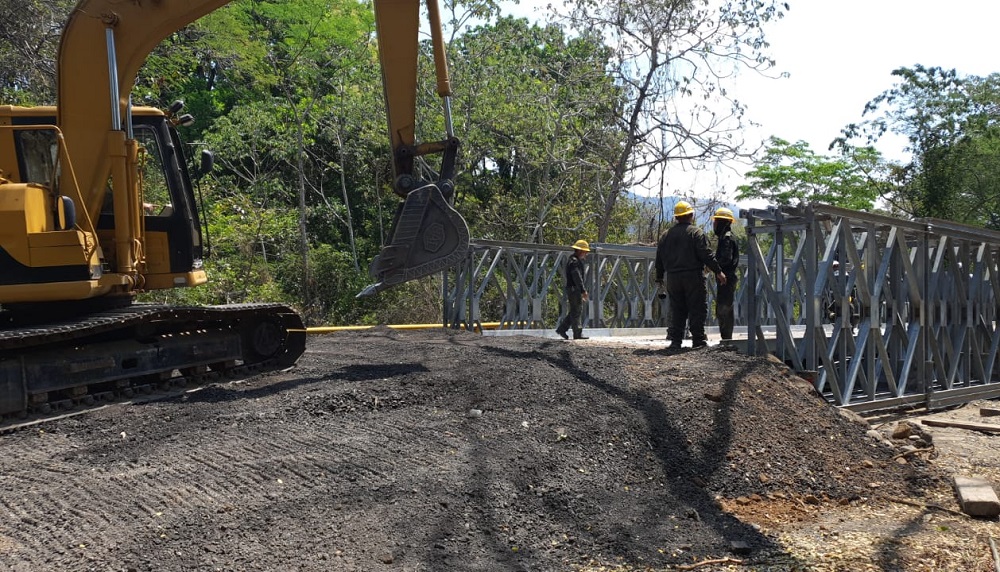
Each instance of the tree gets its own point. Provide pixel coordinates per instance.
(670, 59)
(950, 124)
(29, 39)
(792, 172)
(537, 110)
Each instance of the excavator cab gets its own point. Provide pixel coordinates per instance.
(52, 249)
(171, 225)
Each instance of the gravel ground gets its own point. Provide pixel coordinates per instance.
(438, 451)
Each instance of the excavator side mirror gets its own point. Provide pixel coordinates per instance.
(207, 162)
(175, 107)
(185, 120)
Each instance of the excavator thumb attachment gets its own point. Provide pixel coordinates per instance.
(428, 236)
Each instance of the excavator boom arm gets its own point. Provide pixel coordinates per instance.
(86, 111)
(428, 234)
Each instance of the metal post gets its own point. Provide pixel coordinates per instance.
(812, 299)
(751, 286)
(116, 114)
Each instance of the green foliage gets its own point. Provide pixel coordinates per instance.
(335, 283)
(539, 110)
(791, 172)
(214, 64)
(29, 39)
(252, 146)
(950, 124)
(248, 244)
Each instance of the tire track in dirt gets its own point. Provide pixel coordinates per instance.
(50, 520)
(80, 509)
(222, 474)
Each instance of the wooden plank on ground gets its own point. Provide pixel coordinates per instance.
(971, 425)
(988, 411)
(977, 497)
(996, 555)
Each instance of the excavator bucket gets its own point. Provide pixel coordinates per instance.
(428, 236)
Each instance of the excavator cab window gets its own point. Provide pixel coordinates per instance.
(156, 200)
(38, 150)
(167, 196)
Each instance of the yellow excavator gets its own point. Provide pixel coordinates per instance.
(96, 206)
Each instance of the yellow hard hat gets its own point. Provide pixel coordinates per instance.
(724, 214)
(683, 208)
(581, 245)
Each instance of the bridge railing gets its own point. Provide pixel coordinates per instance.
(520, 285)
(909, 316)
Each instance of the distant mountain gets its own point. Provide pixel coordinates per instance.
(703, 209)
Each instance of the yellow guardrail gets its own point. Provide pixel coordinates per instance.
(335, 329)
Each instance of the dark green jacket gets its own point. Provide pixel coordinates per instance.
(684, 248)
(574, 276)
(727, 253)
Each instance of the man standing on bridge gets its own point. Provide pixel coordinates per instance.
(727, 253)
(682, 254)
(576, 291)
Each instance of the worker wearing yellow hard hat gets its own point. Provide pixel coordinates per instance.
(722, 213)
(727, 252)
(576, 291)
(682, 254)
(682, 209)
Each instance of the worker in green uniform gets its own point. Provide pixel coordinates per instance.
(727, 253)
(576, 292)
(681, 257)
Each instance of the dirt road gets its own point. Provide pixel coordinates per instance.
(438, 451)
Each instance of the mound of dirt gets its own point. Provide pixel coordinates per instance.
(434, 450)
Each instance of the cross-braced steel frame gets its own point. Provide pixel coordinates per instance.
(908, 318)
(520, 285)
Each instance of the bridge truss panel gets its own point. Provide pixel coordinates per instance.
(520, 286)
(908, 317)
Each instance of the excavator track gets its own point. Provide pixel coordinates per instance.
(138, 350)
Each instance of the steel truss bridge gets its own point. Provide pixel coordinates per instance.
(909, 319)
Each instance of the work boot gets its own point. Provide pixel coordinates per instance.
(699, 344)
(674, 346)
(563, 334)
(579, 336)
